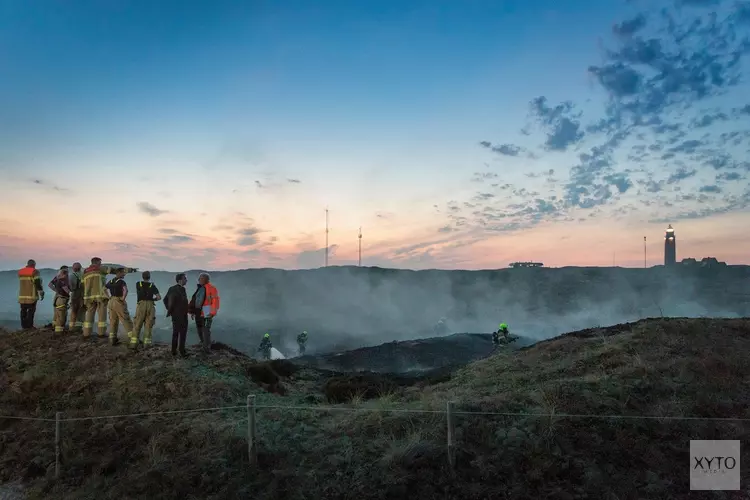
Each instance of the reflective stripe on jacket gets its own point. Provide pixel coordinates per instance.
(30, 282)
(94, 280)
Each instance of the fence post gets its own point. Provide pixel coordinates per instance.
(451, 444)
(252, 449)
(58, 418)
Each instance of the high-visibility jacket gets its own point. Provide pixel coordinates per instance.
(30, 283)
(211, 304)
(94, 280)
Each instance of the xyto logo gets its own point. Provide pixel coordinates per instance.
(714, 465)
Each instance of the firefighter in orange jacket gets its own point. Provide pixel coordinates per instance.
(203, 307)
(30, 290)
(96, 296)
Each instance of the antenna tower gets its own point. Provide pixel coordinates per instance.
(326, 237)
(360, 246)
(644, 252)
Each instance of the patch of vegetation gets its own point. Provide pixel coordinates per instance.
(660, 367)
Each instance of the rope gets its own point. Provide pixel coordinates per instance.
(150, 414)
(10, 417)
(385, 410)
(347, 408)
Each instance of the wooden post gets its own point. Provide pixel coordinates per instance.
(58, 418)
(252, 449)
(451, 444)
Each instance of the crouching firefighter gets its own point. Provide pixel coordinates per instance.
(301, 341)
(266, 346)
(118, 307)
(501, 331)
(145, 310)
(61, 302)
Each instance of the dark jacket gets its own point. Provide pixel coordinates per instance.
(176, 301)
(192, 307)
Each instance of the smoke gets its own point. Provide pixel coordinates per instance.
(350, 307)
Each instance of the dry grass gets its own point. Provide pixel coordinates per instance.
(662, 367)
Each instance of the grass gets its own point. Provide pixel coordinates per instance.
(659, 367)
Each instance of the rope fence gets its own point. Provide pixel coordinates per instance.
(252, 408)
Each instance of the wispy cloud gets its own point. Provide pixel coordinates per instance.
(149, 209)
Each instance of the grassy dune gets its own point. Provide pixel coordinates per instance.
(661, 367)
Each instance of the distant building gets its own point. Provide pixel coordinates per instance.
(525, 264)
(704, 262)
(670, 247)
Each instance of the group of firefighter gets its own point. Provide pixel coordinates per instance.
(88, 295)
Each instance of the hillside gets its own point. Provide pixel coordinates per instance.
(351, 307)
(656, 367)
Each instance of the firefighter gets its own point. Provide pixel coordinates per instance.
(266, 346)
(301, 341)
(203, 307)
(77, 310)
(114, 320)
(61, 302)
(145, 310)
(502, 330)
(118, 291)
(96, 296)
(30, 290)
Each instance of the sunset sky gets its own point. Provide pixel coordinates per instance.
(179, 135)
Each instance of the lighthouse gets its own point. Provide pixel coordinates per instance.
(670, 247)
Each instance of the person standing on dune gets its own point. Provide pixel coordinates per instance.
(145, 310)
(77, 310)
(96, 298)
(118, 306)
(176, 303)
(203, 307)
(60, 285)
(30, 290)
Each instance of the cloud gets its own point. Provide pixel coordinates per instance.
(248, 236)
(681, 174)
(166, 230)
(560, 123)
(149, 209)
(49, 186)
(729, 176)
(293, 181)
(446, 229)
(483, 176)
(630, 27)
(507, 149)
(710, 189)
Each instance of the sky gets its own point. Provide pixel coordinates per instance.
(458, 135)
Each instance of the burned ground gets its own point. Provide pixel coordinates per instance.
(419, 355)
(659, 368)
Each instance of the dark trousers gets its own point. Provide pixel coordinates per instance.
(179, 333)
(27, 315)
(203, 325)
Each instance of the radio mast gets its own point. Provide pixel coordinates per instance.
(360, 246)
(326, 237)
